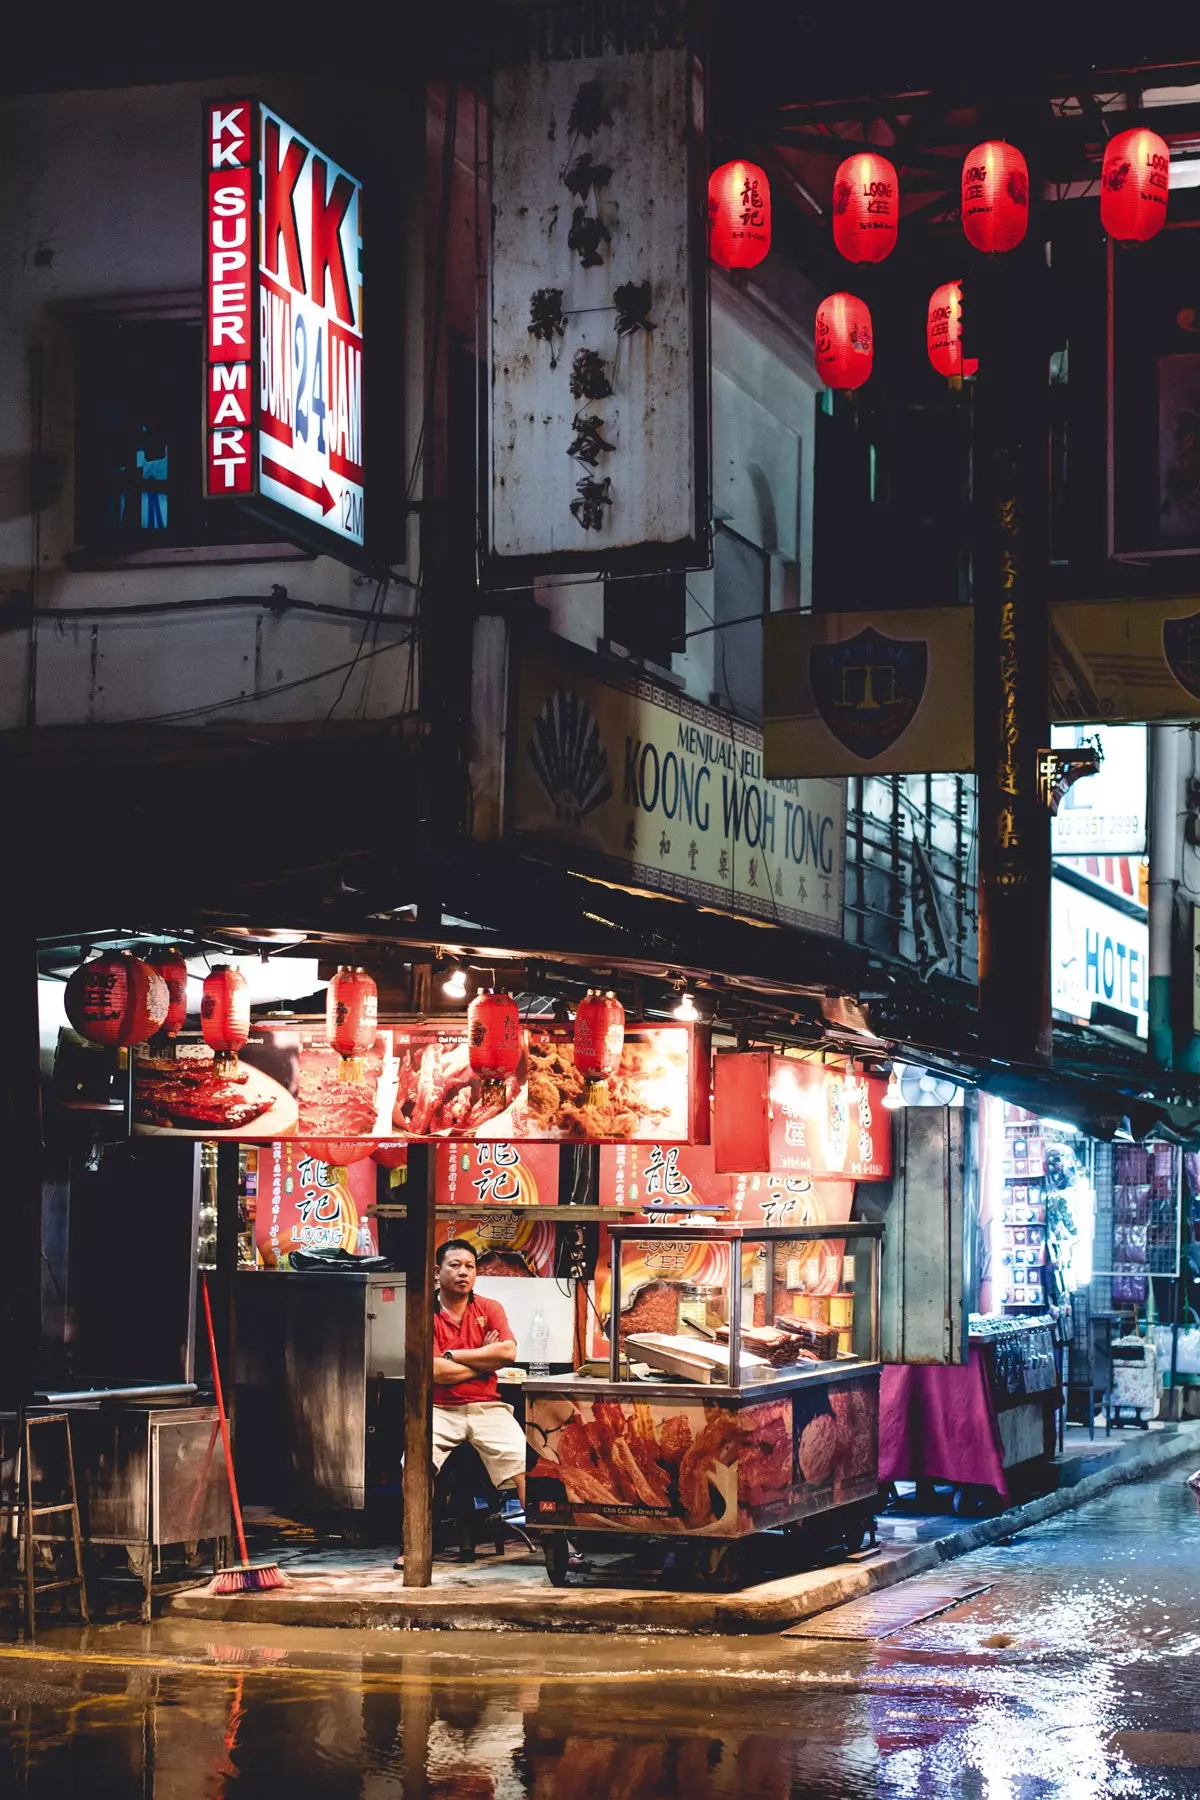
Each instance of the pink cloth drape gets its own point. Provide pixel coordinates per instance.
(940, 1425)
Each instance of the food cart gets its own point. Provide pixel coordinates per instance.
(692, 1445)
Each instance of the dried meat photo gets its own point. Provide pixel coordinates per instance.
(186, 1095)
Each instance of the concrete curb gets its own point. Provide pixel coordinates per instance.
(770, 1606)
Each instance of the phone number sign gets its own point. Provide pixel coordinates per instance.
(283, 413)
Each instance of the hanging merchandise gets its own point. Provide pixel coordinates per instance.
(844, 341)
(167, 961)
(995, 196)
(866, 208)
(739, 214)
(351, 1019)
(599, 1039)
(493, 1041)
(115, 1000)
(943, 332)
(1134, 184)
(225, 1015)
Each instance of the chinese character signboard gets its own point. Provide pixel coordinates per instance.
(794, 1116)
(599, 398)
(659, 1177)
(283, 406)
(305, 1203)
(670, 795)
(497, 1175)
(505, 1243)
(416, 1083)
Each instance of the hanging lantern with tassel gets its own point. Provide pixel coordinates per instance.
(739, 215)
(351, 1019)
(599, 1040)
(866, 208)
(995, 196)
(494, 1042)
(944, 334)
(844, 342)
(225, 1015)
(116, 1000)
(1134, 184)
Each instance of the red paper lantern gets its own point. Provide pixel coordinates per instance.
(115, 1000)
(599, 1036)
(493, 1040)
(390, 1153)
(845, 342)
(225, 1013)
(168, 962)
(739, 215)
(351, 1018)
(866, 208)
(1134, 184)
(943, 332)
(339, 1153)
(995, 196)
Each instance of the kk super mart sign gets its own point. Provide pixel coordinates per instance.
(283, 413)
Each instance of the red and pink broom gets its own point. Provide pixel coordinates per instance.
(245, 1578)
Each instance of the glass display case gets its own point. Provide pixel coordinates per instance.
(683, 1439)
(799, 1301)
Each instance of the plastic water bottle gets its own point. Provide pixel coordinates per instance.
(539, 1343)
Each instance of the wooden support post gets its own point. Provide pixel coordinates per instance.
(421, 1199)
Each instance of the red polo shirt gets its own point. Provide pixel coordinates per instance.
(480, 1316)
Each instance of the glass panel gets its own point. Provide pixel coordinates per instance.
(805, 1304)
(675, 1307)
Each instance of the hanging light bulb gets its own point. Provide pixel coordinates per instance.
(687, 1007)
(893, 1098)
(455, 985)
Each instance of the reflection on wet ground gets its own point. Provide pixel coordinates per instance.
(1076, 1675)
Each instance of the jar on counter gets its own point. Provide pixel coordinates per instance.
(703, 1307)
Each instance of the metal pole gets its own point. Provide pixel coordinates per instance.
(421, 1202)
(1164, 847)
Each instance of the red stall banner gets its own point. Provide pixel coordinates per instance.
(416, 1084)
(303, 1203)
(505, 1243)
(788, 1116)
(497, 1174)
(684, 1177)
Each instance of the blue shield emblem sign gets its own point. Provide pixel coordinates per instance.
(1181, 647)
(868, 688)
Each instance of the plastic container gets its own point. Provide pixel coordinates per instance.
(539, 1345)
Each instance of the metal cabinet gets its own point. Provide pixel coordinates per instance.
(150, 1477)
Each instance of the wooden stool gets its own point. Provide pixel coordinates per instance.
(28, 1507)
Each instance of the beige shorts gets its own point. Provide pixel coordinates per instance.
(491, 1427)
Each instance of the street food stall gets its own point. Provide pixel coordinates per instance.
(742, 1394)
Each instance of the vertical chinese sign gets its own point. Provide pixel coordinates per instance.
(283, 325)
(599, 397)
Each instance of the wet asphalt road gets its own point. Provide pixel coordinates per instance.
(1076, 1675)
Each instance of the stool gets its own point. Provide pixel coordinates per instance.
(461, 1478)
(27, 1506)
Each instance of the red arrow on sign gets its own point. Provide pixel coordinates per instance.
(309, 489)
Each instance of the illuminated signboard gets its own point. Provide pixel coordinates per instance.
(283, 404)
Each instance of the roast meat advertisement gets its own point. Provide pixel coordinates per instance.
(701, 1471)
(416, 1083)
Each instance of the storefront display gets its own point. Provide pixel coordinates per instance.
(730, 1404)
(418, 1080)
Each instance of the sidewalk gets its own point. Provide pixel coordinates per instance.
(359, 1589)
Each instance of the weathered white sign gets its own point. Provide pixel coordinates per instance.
(598, 432)
(1105, 813)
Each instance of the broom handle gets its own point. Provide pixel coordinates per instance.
(224, 1422)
